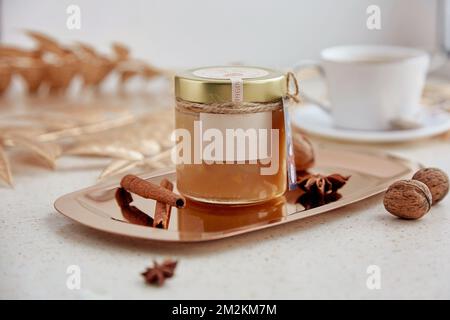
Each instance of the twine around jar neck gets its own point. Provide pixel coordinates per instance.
(243, 107)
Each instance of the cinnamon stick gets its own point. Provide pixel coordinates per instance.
(150, 190)
(162, 210)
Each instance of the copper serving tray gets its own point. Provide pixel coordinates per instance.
(96, 207)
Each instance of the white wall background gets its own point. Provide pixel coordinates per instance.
(447, 24)
(181, 33)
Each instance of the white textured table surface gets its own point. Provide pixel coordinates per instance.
(320, 257)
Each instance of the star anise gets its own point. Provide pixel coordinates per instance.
(160, 272)
(319, 189)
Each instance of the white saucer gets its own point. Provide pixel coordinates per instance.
(313, 120)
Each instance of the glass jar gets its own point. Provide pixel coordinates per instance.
(230, 134)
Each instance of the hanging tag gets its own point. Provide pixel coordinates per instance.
(290, 160)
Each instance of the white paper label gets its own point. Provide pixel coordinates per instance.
(237, 89)
(236, 137)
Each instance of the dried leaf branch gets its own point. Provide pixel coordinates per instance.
(48, 152)
(110, 151)
(116, 167)
(46, 43)
(5, 170)
(52, 66)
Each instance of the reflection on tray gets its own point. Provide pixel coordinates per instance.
(131, 213)
(199, 217)
(205, 217)
(314, 190)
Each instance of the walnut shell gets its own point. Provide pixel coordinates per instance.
(408, 199)
(436, 180)
(303, 152)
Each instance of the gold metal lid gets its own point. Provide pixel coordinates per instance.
(214, 84)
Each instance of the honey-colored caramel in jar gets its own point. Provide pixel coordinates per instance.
(230, 135)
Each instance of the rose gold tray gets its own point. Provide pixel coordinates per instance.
(96, 207)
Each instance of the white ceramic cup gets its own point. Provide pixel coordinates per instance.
(370, 87)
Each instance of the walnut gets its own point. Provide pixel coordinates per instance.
(408, 199)
(436, 180)
(303, 152)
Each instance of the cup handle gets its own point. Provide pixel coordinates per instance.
(312, 64)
